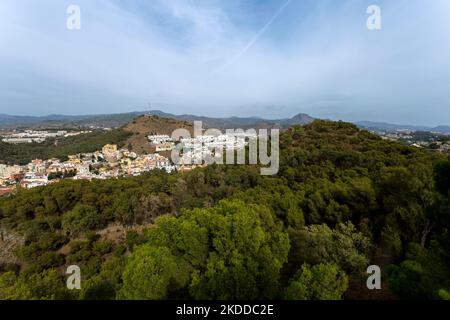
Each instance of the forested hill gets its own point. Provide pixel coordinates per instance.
(344, 199)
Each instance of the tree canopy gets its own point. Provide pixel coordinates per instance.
(343, 199)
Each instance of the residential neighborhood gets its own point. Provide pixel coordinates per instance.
(30, 136)
(432, 141)
(194, 150)
(110, 162)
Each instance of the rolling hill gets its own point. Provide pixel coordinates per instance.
(121, 119)
(239, 122)
(382, 126)
(143, 126)
(58, 121)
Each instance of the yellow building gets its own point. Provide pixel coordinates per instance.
(109, 148)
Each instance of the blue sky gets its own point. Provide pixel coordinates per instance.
(228, 57)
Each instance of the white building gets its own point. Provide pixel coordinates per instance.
(3, 171)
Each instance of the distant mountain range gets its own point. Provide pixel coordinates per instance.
(381, 126)
(101, 120)
(237, 122)
(121, 119)
(117, 120)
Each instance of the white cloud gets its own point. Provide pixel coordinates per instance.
(174, 50)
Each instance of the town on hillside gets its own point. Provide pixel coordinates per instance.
(433, 141)
(36, 136)
(114, 162)
(110, 162)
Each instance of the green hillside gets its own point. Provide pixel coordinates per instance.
(344, 199)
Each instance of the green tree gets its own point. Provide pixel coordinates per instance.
(247, 251)
(230, 251)
(319, 282)
(46, 285)
(343, 246)
(406, 280)
(80, 219)
(444, 294)
(442, 176)
(150, 273)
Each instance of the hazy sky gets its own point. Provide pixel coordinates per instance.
(270, 58)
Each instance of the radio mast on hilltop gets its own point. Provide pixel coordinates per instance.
(149, 107)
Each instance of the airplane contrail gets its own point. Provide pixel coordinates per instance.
(257, 35)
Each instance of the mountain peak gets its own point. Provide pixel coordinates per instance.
(301, 118)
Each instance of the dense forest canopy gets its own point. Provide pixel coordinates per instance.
(344, 199)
